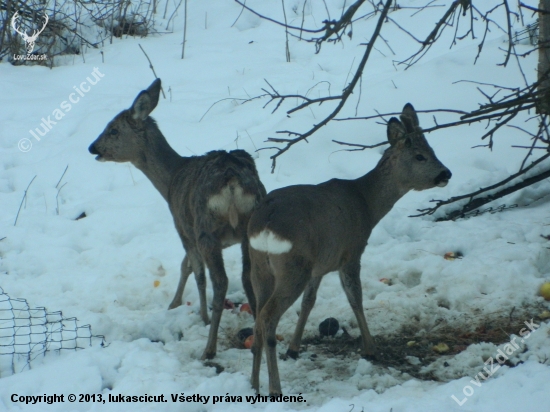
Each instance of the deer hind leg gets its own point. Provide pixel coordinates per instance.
(184, 275)
(211, 252)
(288, 288)
(308, 300)
(351, 282)
(247, 284)
(263, 284)
(197, 266)
(192, 263)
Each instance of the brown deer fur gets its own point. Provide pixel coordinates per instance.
(300, 233)
(211, 198)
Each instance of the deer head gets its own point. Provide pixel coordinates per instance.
(30, 40)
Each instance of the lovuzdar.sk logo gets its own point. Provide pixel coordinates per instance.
(30, 40)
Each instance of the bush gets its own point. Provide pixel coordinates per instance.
(71, 26)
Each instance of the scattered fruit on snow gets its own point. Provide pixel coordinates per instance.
(441, 348)
(249, 341)
(156, 283)
(386, 281)
(545, 290)
(245, 307)
(452, 255)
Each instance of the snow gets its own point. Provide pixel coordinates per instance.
(102, 269)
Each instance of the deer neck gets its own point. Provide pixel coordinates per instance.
(380, 189)
(159, 162)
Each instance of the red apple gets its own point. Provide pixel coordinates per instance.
(245, 307)
(249, 341)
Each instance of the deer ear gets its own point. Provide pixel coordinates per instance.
(154, 91)
(396, 131)
(409, 118)
(146, 101)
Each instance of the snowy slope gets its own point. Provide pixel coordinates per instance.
(102, 269)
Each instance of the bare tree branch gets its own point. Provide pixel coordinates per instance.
(475, 203)
(360, 147)
(534, 9)
(278, 22)
(334, 29)
(343, 98)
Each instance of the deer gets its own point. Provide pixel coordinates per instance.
(300, 233)
(210, 197)
(30, 40)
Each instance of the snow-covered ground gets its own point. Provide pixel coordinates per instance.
(117, 268)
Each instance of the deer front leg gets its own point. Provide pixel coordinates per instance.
(211, 252)
(247, 284)
(351, 282)
(308, 301)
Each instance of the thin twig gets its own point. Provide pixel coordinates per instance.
(398, 113)
(184, 30)
(510, 41)
(174, 13)
(277, 22)
(360, 146)
(239, 16)
(22, 200)
(57, 198)
(221, 100)
(287, 50)
(152, 68)
(65, 171)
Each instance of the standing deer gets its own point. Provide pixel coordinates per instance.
(300, 233)
(211, 198)
(30, 40)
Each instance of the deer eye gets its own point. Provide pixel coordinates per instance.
(420, 158)
(113, 132)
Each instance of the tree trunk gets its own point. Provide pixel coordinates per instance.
(544, 58)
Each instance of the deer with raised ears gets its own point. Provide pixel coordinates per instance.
(30, 40)
(211, 198)
(300, 233)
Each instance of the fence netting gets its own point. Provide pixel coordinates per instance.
(26, 333)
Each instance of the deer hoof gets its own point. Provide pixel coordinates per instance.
(208, 355)
(219, 368)
(292, 354)
(174, 305)
(370, 357)
(205, 319)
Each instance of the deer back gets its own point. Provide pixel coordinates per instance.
(330, 223)
(210, 190)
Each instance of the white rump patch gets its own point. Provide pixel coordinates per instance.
(232, 194)
(267, 241)
(231, 201)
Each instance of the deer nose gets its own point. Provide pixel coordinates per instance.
(92, 149)
(443, 178)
